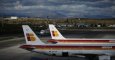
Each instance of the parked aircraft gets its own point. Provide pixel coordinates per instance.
(58, 38)
(91, 51)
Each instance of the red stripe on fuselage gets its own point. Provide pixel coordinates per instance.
(83, 41)
(48, 47)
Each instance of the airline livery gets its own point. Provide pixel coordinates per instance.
(58, 38)
(34, 44)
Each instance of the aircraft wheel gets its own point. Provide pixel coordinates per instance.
(92, 57)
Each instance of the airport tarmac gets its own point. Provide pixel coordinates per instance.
(9, 49)
(15, 53)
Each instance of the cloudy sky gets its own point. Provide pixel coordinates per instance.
(58, 8)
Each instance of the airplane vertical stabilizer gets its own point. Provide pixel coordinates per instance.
(55, 34)
(30, 36)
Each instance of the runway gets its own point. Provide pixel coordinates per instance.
(9, 49)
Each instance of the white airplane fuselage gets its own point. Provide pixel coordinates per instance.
(71, 50)
(82, 41)
(58, 38)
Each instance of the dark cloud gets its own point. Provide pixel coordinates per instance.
(59, 8)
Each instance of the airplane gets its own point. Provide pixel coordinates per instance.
(58, 38)
(90, 51)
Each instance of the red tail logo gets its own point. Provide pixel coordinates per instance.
(54, 33)
(30, 37)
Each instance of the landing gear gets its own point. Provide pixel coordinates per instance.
(65, 54)
(53, 54)
(91, 57)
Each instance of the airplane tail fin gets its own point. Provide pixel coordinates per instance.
(55, 34)
(30, 36)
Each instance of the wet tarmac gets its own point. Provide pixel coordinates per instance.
(9, 49)
(15, 53)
